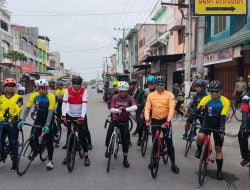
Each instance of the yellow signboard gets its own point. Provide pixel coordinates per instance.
(221, 7)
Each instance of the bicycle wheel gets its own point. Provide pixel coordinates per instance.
(154, 160)
(164, 152)
(176, 116)
(25, 157)
(144, 143)
(106, 123)
(58, 136)
(20, 138)
(203, 165)
(71, 152)
(190, 137)
(43, 154)
(110, 151)
(80, 149)
(130, 124)
(238, 113)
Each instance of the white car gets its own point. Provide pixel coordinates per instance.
(100, 88)
(20, 89)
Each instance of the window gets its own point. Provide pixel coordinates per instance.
(219, 24)
(181, 35)
(4, 26)
(24, 44)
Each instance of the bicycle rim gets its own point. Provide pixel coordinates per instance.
(202, 166)
(154, 160)
(238, 113)
(20, 139)
(71, 152)
(144, 143)
(25, 158)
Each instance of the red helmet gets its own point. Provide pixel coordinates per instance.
(9, 81)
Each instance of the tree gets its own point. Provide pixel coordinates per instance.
(15, 56)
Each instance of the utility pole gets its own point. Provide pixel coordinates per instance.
(200, 45)
(124, 48)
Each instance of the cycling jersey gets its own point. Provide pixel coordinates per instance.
(59, 94)
(245, 107)
(10, 106)
(215, 108)
(75, 102)
(197, 98)
(161, 104)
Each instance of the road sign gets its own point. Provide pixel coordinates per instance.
(221, 7)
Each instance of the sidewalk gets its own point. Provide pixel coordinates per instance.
(232, 128)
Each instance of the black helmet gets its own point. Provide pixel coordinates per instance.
(159, 79)
(76, 79)
(59, 83)
(215, 84)
(132, 81)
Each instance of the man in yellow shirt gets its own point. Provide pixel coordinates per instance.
(161, 104)
(10, 109)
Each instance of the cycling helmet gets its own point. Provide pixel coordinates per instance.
(123, 86)
(115, 83)
(9, 81)
(76, 79)
(41, 82)
(132, 81)
(151, 79)
(59, 83)
(215, 84)
(199, 83)
(159, 79)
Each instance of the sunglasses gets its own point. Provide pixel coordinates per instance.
(42, 88)
(10, 85)
(214, 91)
(76, 83)
(123, 91)
(160, 84)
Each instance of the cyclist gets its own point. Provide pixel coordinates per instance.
(115, 91)
(121, 105)
(151, 88)
(59, 99)
(179, 96)
(216, 107)
(74, 108)
(161, 104)
(45, 107)
(244, 132)
(199, 86)
(10, 109)
(138, 94)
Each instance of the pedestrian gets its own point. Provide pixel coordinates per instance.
(239, 90)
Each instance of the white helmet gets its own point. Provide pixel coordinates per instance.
(123, 85)
(41, 82)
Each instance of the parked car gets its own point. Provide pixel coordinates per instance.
(20, 89)
(93, 86)
(100, 88)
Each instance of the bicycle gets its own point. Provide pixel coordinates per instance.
(184, 107)
(114, 145)
(6, 147)
(74, 145)
(33, 146)
(57, 128)
(192, 133)
(159, 149)
(205, 158)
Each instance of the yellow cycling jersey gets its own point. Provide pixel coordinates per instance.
(59, 92)
(215, 108)
(43, 103)
(10, 107)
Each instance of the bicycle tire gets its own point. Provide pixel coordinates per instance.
(154, 160)
(42, 153)
(144, 143)
(164, 152)
(203, 165)
(231, 113)
(190, 140)
(238, 113)
(20, 141)
(130, 124)
(176, 116)
(30, 157)
(71, 152)
(110, 151)
(80, 151)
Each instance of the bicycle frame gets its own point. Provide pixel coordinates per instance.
(115, 134)
(208, 142)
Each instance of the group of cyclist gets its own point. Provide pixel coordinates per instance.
(154, 106)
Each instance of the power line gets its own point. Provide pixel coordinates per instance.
(83, 50)
(79, 15)
(152, 11)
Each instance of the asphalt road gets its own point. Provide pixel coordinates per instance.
(137, 177)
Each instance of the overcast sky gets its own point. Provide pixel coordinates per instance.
(73, 28)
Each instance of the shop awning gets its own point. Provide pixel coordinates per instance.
(141, 67)
(164, 58)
